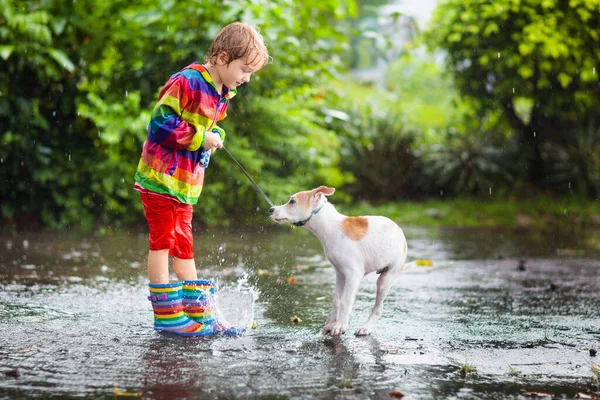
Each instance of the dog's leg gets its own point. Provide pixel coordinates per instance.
(335, 311)
(348, 295)
(384, 283)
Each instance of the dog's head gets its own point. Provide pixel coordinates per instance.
(301, 206)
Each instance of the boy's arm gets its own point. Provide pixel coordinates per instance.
(167, 127)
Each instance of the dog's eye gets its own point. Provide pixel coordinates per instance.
(292, 201)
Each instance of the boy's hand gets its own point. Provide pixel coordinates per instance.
(212, 141)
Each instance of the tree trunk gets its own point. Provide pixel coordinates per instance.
(530, 140)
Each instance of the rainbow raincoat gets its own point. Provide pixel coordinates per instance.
(173, 161)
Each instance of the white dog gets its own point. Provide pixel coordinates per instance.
(356, 246)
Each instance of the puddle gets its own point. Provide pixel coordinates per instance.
(75, 322)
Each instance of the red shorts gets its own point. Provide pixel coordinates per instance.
(170, 224)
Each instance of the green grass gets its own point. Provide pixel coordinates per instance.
(536, 212)
(466, 369)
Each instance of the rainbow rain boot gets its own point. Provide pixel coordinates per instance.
(168, 312)
(199, 305)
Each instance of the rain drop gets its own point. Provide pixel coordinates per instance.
(569, 185)
(126, 93)
(513, 90)
(25, 244)
(594, 70)
(498, 55)
(533, 134)
(490, 191)
(69, 156)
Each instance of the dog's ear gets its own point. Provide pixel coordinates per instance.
(327, 191)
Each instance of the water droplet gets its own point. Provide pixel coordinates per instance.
(498, 55)
(594, 70)
(513, 90)
(126, 93)
(490, 191)
(533, 134)
(25, 244)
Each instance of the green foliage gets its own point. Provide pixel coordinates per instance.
(473, 164)
(424, 93)
(544, 53)
(575, 164)
(378, 151)
(547, 212)
(78, 80)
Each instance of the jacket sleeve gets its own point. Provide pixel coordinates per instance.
(220, 131)
(167, 127)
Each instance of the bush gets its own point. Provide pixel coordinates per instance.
(469, 164)
(377, 149)
(574, 166)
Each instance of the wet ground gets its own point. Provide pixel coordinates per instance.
(75, 322)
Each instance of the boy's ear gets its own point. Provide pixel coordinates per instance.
(223, 58)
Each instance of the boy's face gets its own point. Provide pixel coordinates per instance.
(238, 71)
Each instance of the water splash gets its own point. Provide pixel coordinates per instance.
(234, 305)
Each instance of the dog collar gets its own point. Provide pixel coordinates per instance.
(302, 223)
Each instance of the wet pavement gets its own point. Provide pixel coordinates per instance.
(522, 309)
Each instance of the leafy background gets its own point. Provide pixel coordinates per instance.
(505, 101)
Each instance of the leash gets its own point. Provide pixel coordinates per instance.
(249, 178)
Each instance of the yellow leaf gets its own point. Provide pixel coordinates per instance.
(120, 393)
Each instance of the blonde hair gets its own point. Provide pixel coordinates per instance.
(239, 40)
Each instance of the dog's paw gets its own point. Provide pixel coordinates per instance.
(337, 330)
(362, 331)
(328, 328)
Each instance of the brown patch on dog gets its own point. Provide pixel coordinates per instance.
(303, 198)
(355, 227)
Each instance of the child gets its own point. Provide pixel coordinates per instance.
(182, 135)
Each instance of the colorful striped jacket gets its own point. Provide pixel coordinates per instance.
(188, 106)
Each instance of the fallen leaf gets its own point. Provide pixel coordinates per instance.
(261, 272)
(121, 393)
(296, 320)
(292, 280)
(301, 267)
(583, 396)
(397, 394)
(424, 263)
